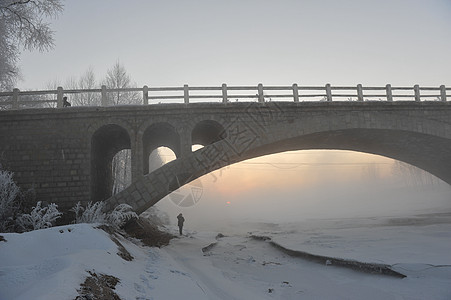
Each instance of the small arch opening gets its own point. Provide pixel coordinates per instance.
(196, 147)
(159, 157)
(156, 136)
(207, 132)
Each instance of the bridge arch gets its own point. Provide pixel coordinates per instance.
(106, 142)
(157, 135)
(207, 132)
(406, 146)
(403, 145)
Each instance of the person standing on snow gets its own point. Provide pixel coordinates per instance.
(180, 222)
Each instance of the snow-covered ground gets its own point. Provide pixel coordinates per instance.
(52, 263)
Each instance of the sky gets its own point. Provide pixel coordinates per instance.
(207, 42)
(246, 42)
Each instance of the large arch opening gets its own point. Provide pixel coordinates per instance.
(405, 146)
(159, 135)
(106, 142)
(298, 185)
(207, 132)
(427, 152)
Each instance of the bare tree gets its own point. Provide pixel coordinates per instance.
(86, 81)
(22, 27)
(51, 85)
(117, 78)
(121, 169)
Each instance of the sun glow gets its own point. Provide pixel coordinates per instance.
(295, 169)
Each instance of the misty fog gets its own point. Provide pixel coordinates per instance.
(306, 185)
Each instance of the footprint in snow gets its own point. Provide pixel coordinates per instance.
(146, 281)
(151, 274)
(178, 272)
(139, 288)
(143, 298)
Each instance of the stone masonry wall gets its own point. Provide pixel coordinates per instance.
(49, 150)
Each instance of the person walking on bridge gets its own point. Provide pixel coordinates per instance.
(65, 102)
(181, 219)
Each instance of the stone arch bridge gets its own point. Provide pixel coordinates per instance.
(65, 154)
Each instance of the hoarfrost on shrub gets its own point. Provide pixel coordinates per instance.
(120, 215)
(93, 213)
(40, 217)
(8, 206)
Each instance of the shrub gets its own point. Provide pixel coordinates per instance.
(9, 207)
(120, 215)
(39, 217)
(93, 213)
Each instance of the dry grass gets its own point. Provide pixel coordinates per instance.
(148, 232)
(98, 287)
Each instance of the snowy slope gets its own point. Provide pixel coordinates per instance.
(51, 264)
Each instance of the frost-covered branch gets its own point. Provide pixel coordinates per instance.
(8, 206)
(22, 26)
(93, 213)
(40, 217)
(120, 215)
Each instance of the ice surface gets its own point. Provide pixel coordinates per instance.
(51, 263)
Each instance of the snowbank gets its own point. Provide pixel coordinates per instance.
(51, 264)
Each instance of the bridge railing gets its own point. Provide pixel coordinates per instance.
(186, 94)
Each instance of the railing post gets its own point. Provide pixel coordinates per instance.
(359, 92)
(224, 93)
(261, 98)
(59, 97)
(295, 92)
(145, 95)
(16, 98)
(104, 100)
(416, 88)
(186, 93)
(389, 93)
(328, 92)
(443, 93)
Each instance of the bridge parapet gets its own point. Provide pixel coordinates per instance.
(187, 94)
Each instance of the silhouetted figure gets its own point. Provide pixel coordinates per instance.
(180, 222)
(65, 102)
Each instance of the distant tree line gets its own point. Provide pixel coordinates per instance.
(413, 176)
(406, 173)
